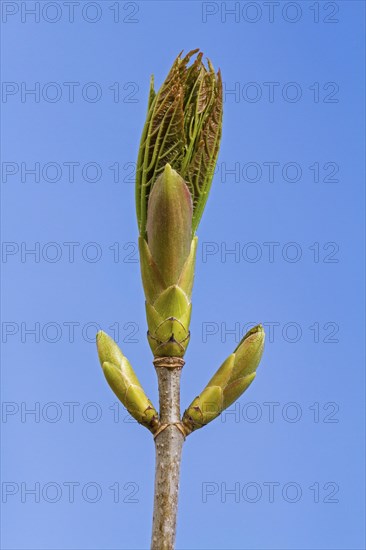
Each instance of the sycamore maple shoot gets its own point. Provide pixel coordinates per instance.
(176, 161)
(178, 153)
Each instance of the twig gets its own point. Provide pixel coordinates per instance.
(168, 446)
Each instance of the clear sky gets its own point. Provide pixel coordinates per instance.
(281, 242)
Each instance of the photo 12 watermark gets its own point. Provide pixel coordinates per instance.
(270, 492)
(283, 92)
(30, 12)
(270, 12)
(290, 332)
(69, 492)
(72, 92)
(252, 252)
(61, 332)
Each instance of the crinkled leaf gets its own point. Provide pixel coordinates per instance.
(183, 128)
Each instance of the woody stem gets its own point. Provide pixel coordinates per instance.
(168, 450)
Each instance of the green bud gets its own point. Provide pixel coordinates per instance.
(169, 224)
(168, 308)
(231, 380)
(182, 128)
(124, 382)
(168, 321)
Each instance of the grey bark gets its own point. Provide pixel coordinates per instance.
(168, 451)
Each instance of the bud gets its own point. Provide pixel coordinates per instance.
(175, 167)
(168, 308)
(169, 224)
(124, 382)
(231, 380)
(182, 128)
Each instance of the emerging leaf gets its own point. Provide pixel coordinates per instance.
(182, 128)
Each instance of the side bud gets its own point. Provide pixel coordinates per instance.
(231, 380)
(124, 382)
